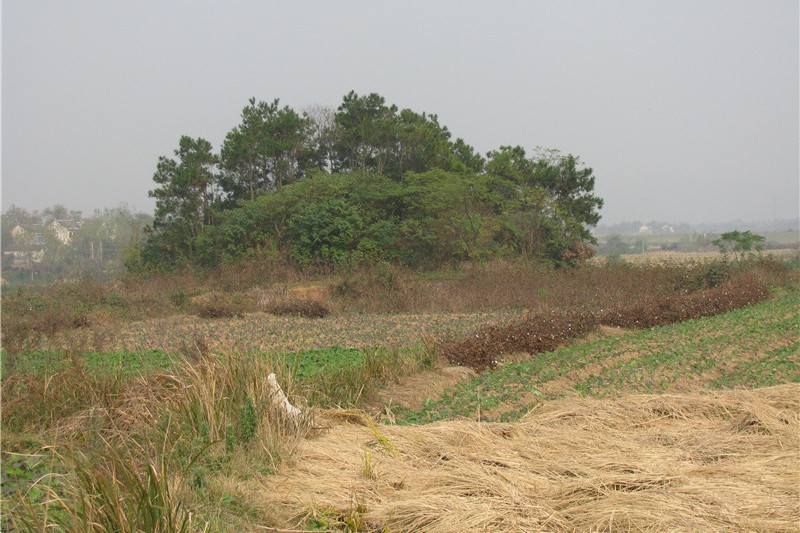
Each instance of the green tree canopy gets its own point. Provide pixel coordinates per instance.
(367, 182)
(740, 243)
(371, 135)
(564, 178)
(270, 148)
(185, 197)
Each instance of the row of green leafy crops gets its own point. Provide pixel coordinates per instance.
(749, 347)
(303, 364)
(45, 362)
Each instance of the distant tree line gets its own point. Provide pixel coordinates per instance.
(366, 182)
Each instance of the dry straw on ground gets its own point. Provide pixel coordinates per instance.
(726, 461)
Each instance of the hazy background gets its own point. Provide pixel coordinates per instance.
(686, 110)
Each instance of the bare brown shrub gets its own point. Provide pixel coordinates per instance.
(258, 271)
(536, 333)
(221, 305)
(33, 313)
(503, 284)
(540, 333)
(303, 307)
(742, 291)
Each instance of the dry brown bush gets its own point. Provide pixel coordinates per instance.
(304, 307)
(222, 305)
(33, 313)
(534, 334)
(742, 291)
(502, 284)
(212, 305)
(540, 333)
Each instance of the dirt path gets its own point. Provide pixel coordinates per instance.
(412, 391)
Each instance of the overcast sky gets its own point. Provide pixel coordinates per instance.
(686, 110)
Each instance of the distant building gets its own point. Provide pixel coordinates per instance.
(18, 234)
(64, 230)
(22, 256)
(645, 230)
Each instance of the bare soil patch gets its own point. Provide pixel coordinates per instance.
(410, 392)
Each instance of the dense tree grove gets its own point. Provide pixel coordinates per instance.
(366, 182)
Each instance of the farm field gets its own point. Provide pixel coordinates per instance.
(691, 425)
(667, 257)
(261, 332)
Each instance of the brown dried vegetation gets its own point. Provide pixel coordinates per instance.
(724, 461)
(302, 307)
(32, 315)
(538, 333)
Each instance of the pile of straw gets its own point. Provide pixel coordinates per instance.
(725, 461)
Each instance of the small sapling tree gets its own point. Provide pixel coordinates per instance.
(740, 243)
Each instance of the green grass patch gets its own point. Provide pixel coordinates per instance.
(346, 377)
(308, 364)
(45, 362)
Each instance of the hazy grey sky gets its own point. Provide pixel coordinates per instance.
(686, 110)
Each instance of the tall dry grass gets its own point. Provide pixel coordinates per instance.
(125, 489)
(133, 446)
(226, 399)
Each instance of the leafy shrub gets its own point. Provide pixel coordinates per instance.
(325, 232)
(178, 298)
(115, 299)
(704, 276)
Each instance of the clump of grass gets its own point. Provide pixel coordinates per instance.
(196, 348)
(123, 489)
(216, 305)
(210, 408)
(223, 398)
(38, 402)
